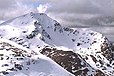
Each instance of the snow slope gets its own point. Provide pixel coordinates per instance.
(16, 60)
(36, 31)
(40, 26)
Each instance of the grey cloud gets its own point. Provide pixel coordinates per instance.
(67, 12)
(81, 6)
(74, 7)
(5, 4)
(13, 8)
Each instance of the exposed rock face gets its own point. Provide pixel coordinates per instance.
(107, 50)
(72, 62)
(99, 73)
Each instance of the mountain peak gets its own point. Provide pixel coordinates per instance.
(37, 31)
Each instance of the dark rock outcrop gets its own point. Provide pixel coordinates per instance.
(72, 62)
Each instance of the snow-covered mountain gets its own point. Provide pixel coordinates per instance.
(39, 27)
(88, 49)
(16, 60)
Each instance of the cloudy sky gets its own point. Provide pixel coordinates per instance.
(63, 10)
(67, 12)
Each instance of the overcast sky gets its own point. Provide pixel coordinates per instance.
(64, 10)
